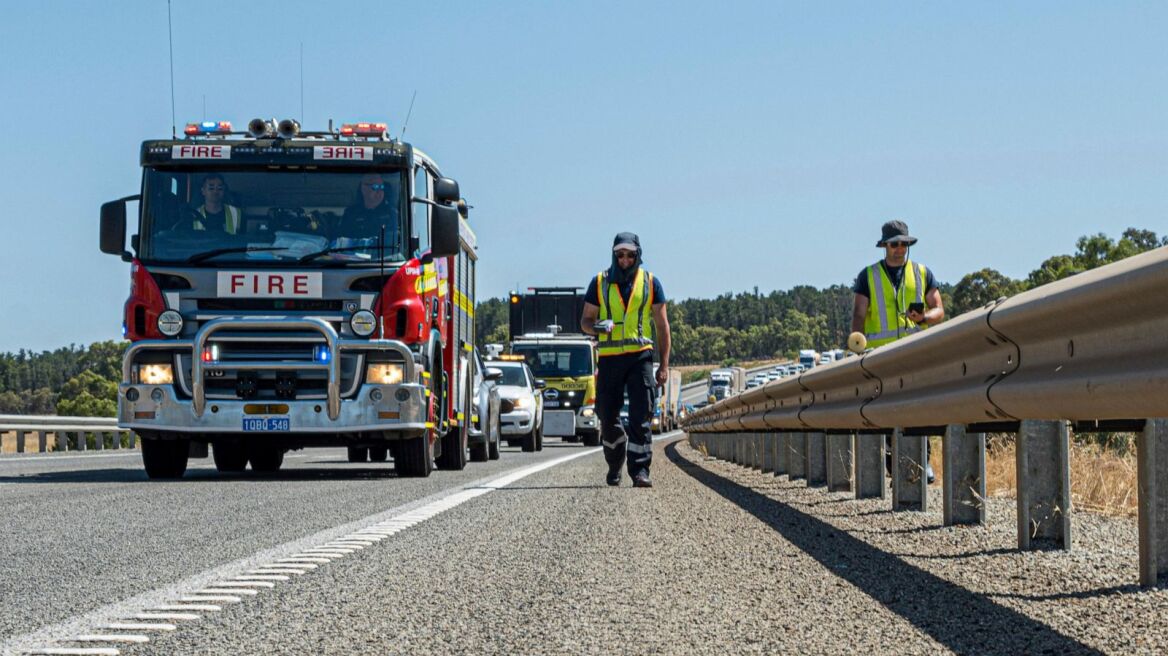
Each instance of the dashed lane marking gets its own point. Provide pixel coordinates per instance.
(197, 593)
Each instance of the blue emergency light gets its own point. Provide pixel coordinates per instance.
(208, 127)
(321, 353)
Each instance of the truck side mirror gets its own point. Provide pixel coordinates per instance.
(446, 191)
(113, 228)
(443, 231)
(492, 373)
(540, 383)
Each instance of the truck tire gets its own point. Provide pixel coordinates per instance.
(230, 455)
(358, 454)
(539, 439)
(165, 459)
(265, 459)
(530, 441)
(591, 439)
(479, 452)
(378, 453)
(453, 448)
(493, 450)
(411, 458)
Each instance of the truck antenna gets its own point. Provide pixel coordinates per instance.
(301, 83)
(408, 113)
(170, 34)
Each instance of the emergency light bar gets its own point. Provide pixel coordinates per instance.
(363, 129)
(208, 127)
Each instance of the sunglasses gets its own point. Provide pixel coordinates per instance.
(376, 187)
(626, 255)
(898, 244)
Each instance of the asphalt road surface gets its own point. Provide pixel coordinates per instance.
(534, 554)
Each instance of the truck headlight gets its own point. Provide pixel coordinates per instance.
(383, 374)
(170, 323)
(155, 374)
(587, 412)
(521, 402)
(363, 323)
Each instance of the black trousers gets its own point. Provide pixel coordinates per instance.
(618, 375)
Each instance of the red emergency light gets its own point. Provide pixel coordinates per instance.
(208, 127)
(363, 129)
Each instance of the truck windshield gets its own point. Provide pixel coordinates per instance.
(556, 360)
(287, 217)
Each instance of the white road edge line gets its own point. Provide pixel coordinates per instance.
(162, 599)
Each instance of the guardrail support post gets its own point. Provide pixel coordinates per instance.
(839, 463)
(759, 453)
(796, 460)
(42, 441)
(869, 466)
(963, 476)
(20, 441)
(133, 440)
(909, 485)
(1044, 484)
(768, 451)
(816, 454)
(780, 454)
(99, 441)
(1152, 471)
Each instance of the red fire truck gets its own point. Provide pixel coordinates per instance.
(294, 289)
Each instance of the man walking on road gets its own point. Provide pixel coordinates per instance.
(619, 306)
(895, 297)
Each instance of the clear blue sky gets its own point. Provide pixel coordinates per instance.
(748, 143)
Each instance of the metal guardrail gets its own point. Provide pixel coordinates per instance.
(70, 433)
(1088, 352)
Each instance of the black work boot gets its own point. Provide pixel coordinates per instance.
(614, 476)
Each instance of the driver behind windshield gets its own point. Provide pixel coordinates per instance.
(371, 212)
(214, 214)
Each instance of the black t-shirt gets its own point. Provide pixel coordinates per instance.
(894, 274)
(216, 221)
(626, 290)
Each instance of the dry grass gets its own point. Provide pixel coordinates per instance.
(1103, 480)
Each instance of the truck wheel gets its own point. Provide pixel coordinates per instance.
(229, 454)
(530, 441)
(479, 452)
(412, 457)
(453, 449)
(572, 438)
(358, 454)
(493, 450)
(539, 439)
(265, 459)
(591, 439)
(378, 453)
(165, 459)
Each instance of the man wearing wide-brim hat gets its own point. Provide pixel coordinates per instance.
(895, 297)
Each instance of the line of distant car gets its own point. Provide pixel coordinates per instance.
(808, 359)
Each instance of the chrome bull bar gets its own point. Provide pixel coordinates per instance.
(333, 367)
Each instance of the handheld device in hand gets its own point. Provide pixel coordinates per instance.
(604, 326)
(916, 307)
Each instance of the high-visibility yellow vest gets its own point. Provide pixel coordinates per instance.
(232, 214)
(886, 320)
(630, 321)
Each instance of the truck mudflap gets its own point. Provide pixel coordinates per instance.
(559, 423)
(400, 407)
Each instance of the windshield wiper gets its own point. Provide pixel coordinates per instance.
(341, 249)
(206, 255)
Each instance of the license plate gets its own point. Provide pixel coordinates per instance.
(551, 404)
(266, 424)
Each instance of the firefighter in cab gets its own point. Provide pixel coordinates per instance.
(624, 307)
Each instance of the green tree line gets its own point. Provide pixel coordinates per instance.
(753, 326)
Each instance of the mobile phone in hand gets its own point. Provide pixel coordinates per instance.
(916, 307)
